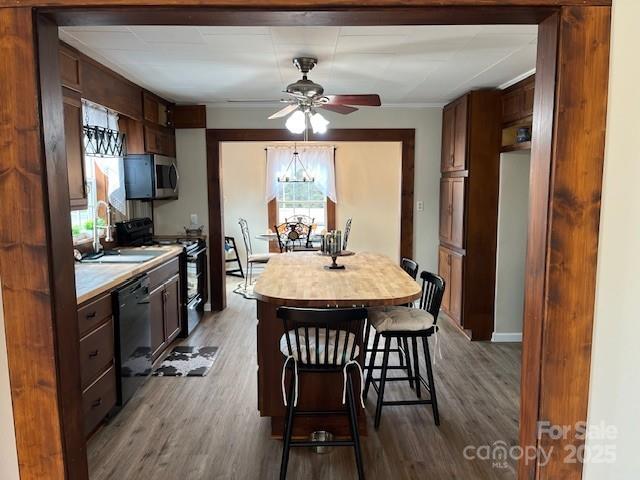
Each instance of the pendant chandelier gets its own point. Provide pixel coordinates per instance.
(295, 171)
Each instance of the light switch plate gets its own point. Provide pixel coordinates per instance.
(420, 205)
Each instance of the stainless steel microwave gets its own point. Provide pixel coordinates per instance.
(150, 176)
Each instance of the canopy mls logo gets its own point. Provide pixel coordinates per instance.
(601, 448)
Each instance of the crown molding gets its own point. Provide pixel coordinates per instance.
(517, 79)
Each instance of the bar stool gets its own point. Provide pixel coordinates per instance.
(321, 341)
(402, 348)
(407, 323)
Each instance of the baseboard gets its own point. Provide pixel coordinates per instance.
(506, 337)
(207, 307)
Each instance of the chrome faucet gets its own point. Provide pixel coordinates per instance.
(97, 247)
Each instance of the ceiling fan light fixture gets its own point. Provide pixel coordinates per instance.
(318, 123)
(297, 122)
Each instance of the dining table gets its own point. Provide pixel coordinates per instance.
(300, 279)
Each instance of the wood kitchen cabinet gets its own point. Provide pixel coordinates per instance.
(97, 364)
(517, 101)
(452, 211)
(159, 135)
(454, 136)
(450, 268)
(472, 134)
(165, 306)
(74, 144)
(159, 140)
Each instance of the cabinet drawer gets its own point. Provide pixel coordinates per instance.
(96, 353)
(98, 400)
(162, 273)
(93, 313)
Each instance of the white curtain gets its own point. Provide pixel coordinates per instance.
(112, 167)
(318, 160)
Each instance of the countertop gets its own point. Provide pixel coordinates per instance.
(299, 279)
(95, 278)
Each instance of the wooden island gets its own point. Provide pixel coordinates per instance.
(299, 279)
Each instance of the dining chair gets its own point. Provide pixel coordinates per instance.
(321, 341)
(410, 324)
(294, 236)
(252, 258)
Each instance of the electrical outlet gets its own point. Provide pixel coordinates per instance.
(194, 219)
(420, 206)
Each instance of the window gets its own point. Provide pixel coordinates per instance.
(302, 198)
(100, 174)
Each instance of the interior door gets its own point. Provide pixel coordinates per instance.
(459, 161)
(156, 314)
(456, 237)
(172, 308)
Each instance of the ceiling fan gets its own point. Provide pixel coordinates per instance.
(307, 97)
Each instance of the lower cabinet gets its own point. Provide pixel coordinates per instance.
(450, 268)
(164, 309)
(97, 365)
(98, 342)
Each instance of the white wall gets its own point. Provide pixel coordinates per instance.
(428, 125)
(513, 211)
(615, 376)
(368, 184)
(172, 215)
(8, 454)
(244, 172)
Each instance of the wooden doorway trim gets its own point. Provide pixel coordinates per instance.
(37, 280)
(564, 215)
(406, 136)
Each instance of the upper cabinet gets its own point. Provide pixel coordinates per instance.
(517, 115)
(69, 68)
(159, 136)
(454, 136)
(74, 143)
(517, 101)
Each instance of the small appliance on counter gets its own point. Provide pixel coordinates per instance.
(135, 233)
(150, 176)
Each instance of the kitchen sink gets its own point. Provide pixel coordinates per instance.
(125, 256)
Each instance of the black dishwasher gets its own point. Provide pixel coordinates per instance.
(133, 334)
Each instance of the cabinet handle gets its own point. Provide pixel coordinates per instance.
(91, 315)
(96, 403)
(93, 354)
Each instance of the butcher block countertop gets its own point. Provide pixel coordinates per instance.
(299, 279)
(92, 279)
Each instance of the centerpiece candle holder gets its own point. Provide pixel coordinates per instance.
(332, 247)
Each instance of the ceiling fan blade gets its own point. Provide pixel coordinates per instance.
(343, 109)
(372, 100)
(285, 111)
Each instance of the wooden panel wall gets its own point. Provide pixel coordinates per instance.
(563, 239)
(34, 308)
(102, 86)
